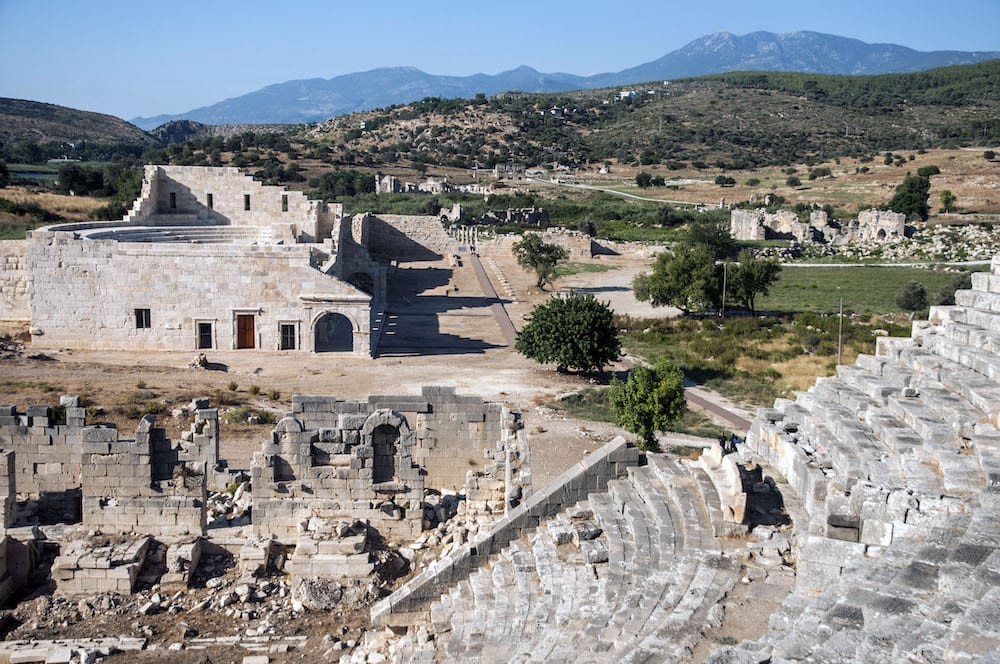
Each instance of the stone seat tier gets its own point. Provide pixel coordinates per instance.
(195, 234)
(930, 596)
(542, 601)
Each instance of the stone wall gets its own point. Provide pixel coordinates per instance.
(408, 237)
(13, 281)
(85, 293)
(46, 456)
(579, 246)
(180, 194)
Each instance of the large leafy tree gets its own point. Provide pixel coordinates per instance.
(911, 197)
(650, 400)
(687, 279)
(542, 257)
(574, 332)
(752, 277)
(714, 235)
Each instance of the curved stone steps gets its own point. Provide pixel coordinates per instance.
(543, 602)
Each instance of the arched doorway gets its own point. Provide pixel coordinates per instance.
(334, 333)
(385, 439)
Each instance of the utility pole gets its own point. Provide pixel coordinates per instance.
(724, 263)
(840, 330)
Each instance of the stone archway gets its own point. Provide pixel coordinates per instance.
(333, 333)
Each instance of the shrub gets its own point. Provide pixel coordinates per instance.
(254, 390)
(232, 386)
(793, 181)
(927, 171)
(912, 297)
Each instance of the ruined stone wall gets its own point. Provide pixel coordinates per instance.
(84, 294)
(578, 245)
(325, 459)
(13, 280)
(191, 186)
(745, 225)
(136, 486)
(46, 455)
(408, 237)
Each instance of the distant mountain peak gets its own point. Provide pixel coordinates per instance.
(314, 100)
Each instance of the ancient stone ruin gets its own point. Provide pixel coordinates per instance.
(334, 489)
(871, 227)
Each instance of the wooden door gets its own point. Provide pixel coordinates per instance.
(245, 336)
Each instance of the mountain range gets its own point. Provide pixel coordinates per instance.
(317, 99)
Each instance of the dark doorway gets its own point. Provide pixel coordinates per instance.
(245, 333)
(384, 440)
(334, 333)
(204, 335)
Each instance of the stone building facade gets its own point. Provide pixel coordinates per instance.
(207, 259)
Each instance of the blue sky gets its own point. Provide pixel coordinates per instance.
(138, 57)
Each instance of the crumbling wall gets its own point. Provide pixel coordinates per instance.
(47, 446)
(13, 280)
(371, 460)
(127, 487)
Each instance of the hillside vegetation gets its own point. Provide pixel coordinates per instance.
(737, 121)
(38, 123)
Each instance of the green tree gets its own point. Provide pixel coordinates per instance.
(989, 155)
(793, 181)
(533, 254)
(911, 197)
(687, 279)
(575, 332)
(912, 297)
(4, 174)
(650, 400)
(927, 171)
(643, 179)
(752, 277)
(947, 200)
(714, 235)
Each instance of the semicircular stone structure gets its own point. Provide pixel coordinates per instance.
(893, 486)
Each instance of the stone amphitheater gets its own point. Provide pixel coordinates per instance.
(889, 473)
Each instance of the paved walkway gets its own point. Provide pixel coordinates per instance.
(496, 306)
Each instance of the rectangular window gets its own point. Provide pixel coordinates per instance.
(205, 335)
(288, 336)
(142, 319)
(246, 201)
(210, 201)
(173, 200)
(284, 202)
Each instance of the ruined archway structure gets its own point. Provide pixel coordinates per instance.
(206, 259)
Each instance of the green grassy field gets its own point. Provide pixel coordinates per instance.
(866, 289)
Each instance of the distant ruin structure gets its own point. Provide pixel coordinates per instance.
(871, 226)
